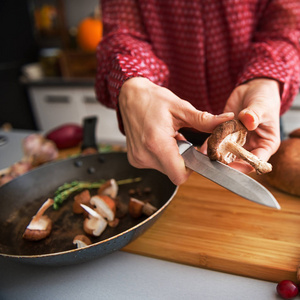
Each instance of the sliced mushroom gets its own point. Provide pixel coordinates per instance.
(149, 209)
(83, 198)
(81, 241)
(226, 144)
(40, 225)
(105, 206)
(94, 224)
(109, 188)
(137, 208)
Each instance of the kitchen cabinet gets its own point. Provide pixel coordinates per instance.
(57, 105)
(291, 119)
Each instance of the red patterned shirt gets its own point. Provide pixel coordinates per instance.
(200, 50)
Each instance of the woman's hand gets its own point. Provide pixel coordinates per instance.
(257, 105)
(152, 116)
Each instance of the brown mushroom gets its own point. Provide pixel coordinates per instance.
(109, 188)
(94, 224)
(83, 198)
(226, 144)
(105, 206)
(40, 225)
(81, 241)
(137, 208)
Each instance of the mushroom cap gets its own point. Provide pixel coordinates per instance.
(81, 241)
(82, 198)
(105, 206)
(135, 207)
(94, 226)
(109, 188)
(232, 130)
(33, 234)
(41, 225)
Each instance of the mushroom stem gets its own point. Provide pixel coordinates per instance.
(42, 209)
(240, 152)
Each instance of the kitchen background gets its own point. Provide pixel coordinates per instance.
(47, 78)
(46, 70)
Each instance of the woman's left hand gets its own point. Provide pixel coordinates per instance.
(257, 105)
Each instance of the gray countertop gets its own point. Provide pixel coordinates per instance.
(126, 276)
(119, 275)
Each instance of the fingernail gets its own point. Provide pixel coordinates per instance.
(225, 115)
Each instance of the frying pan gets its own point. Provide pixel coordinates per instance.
(22, 197)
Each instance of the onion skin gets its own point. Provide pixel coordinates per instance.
(66, 136)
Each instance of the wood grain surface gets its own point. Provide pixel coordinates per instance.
(209, 227)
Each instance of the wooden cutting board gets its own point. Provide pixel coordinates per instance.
(209, 227)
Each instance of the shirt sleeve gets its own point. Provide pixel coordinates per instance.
(275, 51)
(124, 52)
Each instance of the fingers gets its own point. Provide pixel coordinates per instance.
(242, 167)
(172, 163)
(249, 118)
(187, 116)
(162, 155)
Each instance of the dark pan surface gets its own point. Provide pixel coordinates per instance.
(21, 198)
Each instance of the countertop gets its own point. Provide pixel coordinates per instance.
(119, 275)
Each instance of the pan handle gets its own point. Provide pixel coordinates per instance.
(89, 136)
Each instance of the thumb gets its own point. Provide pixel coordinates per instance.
(206, 122)
(249, 118)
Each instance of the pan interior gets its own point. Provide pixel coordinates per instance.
(21, 198)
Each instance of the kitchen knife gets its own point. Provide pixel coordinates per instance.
(229, 178)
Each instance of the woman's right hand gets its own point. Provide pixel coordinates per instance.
(152, 116)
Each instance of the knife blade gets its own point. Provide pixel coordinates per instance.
(229, 178)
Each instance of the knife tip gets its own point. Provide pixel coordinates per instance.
(277, 206)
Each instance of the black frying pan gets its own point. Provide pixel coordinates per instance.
(22, 197)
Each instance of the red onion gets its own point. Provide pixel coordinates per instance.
(66, 136)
